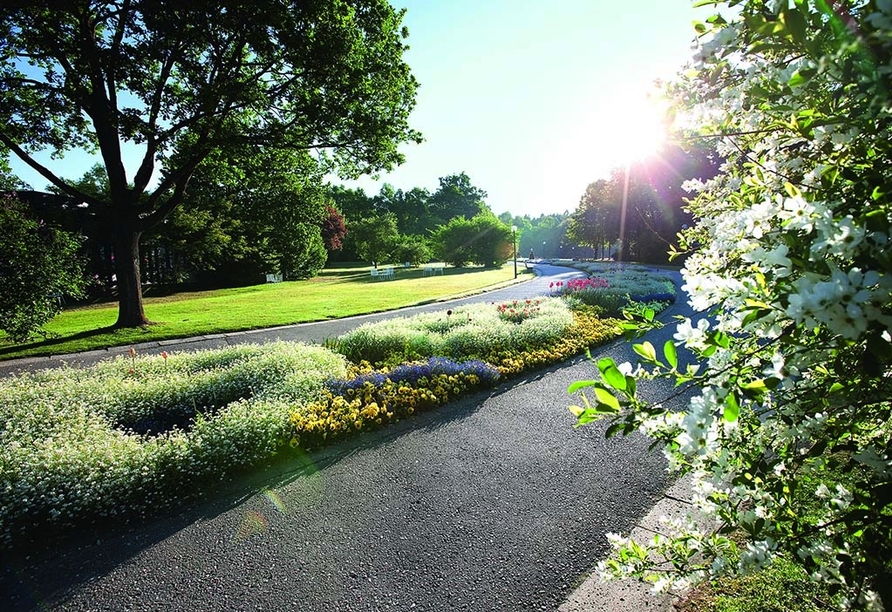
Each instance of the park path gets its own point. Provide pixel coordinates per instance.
(494, 502)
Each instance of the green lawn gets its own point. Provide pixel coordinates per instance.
(337, 292)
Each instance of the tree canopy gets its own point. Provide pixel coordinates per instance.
(654, 203)
(181, 81)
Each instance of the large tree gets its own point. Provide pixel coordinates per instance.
(181, 80)
(457, 197)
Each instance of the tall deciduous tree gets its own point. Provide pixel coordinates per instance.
(457, 197)
(180, 80)
(481, 240)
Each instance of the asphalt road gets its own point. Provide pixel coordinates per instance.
(495, 502)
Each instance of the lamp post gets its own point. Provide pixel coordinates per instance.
(514, 247)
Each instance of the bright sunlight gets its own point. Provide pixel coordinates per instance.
(630, 125)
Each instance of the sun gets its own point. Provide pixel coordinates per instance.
(631, 126)
(621, 126)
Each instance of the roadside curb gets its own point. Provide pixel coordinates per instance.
(594, 595)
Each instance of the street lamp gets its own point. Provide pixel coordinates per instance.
(514, 247)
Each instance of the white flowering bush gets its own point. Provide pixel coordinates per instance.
(67, 454)
(788, 436)
(465, 332)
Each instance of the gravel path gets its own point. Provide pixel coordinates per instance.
(494, 502)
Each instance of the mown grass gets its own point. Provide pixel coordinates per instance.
(337, 292)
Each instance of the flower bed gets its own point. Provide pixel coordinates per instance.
(467, 332)
(614, 287)
(134, 435)
(67, 456)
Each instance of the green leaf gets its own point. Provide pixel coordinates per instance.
(671, 354)
(646, 351)
(732, 408)
(604, 363)
(614, 378)
(796, 25)
(580, 384)
(606, 398)
(587, 416)
(801, 77)
(630, 386)
(614, 429)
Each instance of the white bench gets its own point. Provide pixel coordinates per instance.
(432, 269)
(384, 273)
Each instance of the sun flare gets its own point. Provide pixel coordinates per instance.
(632, 127)
(621, 127)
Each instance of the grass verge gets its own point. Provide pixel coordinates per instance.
(335, 293)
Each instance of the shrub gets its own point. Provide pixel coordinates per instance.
(63, 461)
(37, 265)
(462, 333)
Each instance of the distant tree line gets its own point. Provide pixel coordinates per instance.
(453, 224)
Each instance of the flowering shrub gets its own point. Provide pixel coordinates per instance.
(790, 259)
(377, 398)
(63, 461)
(517, 311)
(466, 332)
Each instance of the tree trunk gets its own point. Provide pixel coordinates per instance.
(130, 308)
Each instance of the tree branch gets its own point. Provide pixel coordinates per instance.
(47, 174)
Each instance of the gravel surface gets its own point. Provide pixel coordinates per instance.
(495, 502)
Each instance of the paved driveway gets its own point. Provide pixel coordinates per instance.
(494, 502)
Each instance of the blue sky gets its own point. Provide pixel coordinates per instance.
(533, 99)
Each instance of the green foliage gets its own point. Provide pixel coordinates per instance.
(68, 454)
(39, 266)
(482, 240)
(457, 197)
(414, 250)
(654, 201)
(780, 587)
(466, 332)
(187, 82)
(374, 237)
